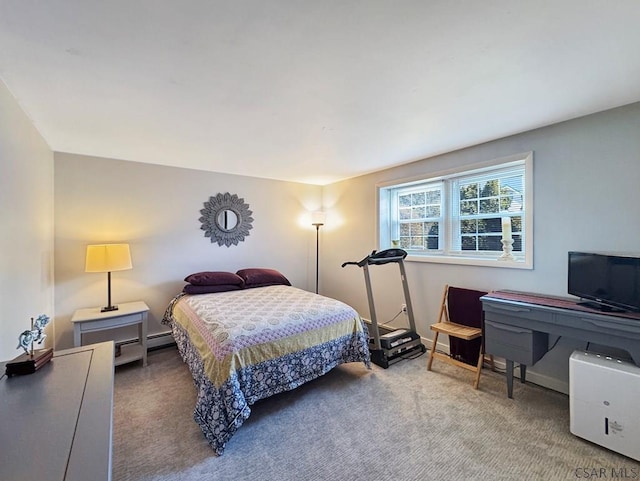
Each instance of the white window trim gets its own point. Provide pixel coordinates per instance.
(382, 210)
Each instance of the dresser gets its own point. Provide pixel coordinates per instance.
(56, 424)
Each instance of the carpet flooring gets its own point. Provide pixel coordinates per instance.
(403, 423)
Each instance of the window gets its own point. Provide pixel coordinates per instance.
(419, 216)
(459, 216)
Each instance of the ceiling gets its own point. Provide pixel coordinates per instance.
(310, 91)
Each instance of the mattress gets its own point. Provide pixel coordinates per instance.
(245, 345)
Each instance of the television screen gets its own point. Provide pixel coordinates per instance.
(605, 281)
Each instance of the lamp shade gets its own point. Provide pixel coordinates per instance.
(108, 258)
(318, 218)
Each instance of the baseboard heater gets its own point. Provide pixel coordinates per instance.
(154, 341)
(603, 401)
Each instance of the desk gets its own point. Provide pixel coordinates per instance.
(517, 325)
(56, 424)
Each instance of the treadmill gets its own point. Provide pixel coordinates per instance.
(403, 343)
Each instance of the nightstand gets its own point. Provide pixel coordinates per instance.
(128, 314)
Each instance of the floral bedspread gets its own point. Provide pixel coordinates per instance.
(246, 345)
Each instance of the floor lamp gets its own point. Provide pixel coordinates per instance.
(317, 219)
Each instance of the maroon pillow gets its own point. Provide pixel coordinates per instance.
(214, 278)
(257, 277)
(191, 289)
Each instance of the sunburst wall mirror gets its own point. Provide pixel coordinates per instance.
(226, 219)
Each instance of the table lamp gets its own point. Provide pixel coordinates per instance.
(108, 258)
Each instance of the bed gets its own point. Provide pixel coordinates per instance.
(251, 340)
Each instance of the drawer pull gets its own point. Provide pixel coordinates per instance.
(511, 308)
(617, 327)
(504, 327)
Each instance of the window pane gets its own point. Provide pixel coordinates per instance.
(486, 226)
(404, 200)
(418, 212)
(490, 243)
(404, 213)
(432, 211)
(516, 224)
(517, 243)
(511, 203)
(468, 207)
(513, 184)
(431, 228)
(417, 199)
(433, 197)
(417, 243)
(490, 188)
(432, 243)
(468, 243)
(405, 229)
(489, 206)
(417, 228)
(469, 191)
(469, 226)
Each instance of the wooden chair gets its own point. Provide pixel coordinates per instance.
(460, 318)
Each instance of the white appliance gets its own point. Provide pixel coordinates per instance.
(604, 401)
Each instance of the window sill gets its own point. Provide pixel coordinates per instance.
(471, 261)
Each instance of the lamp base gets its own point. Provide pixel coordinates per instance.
(28, 364)
(109, 308)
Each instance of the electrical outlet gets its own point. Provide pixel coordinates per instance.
(403, 308)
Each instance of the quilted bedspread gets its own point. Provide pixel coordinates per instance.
(246, 345)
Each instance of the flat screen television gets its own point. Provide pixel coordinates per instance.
(609, 282)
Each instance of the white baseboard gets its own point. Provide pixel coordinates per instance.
(532, 376)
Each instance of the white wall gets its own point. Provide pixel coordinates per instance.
(586, 197)
(26, 217)
(156, 210)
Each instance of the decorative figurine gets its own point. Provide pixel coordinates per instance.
(25, 341)
(36, 334)
(31, 360)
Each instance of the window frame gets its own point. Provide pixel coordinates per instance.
(449, 225)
